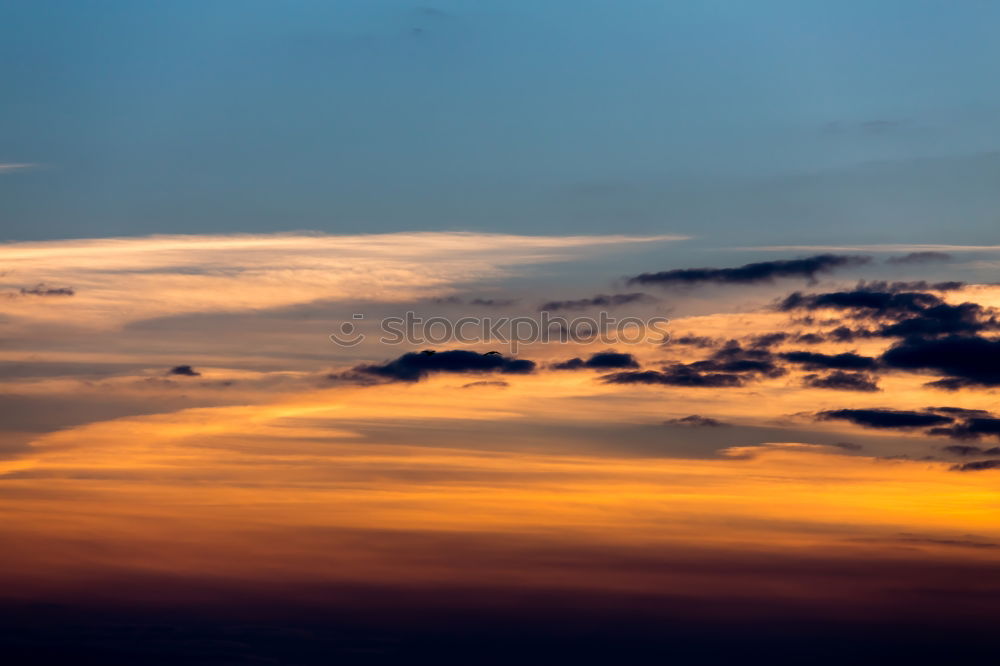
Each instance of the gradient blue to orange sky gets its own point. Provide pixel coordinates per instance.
(801, 466)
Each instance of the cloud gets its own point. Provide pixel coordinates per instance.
(9, 167)
(696, 421)
(976, 466)
(910, 313)
(41, 290)
(842, 381)
(600, 361)
(972, 428)
(841, 334)
(964, 360)
(959, 411)
(184, 371)
(694, 341)
(414, 366)
(816, 361)
(767, 340)
(885, 418)
(944, 320)
(486, 383)
(599, 301)
(731, 365)
(123, 280)
(906, 537)
(809, 338)
(952, 422)
(676, 375)
(863, 300)
(493, 302)
(968, 450)
(924, 257)
(734, 358)
(911, 285)
(479, 302)
(848, 446)
(765, 271)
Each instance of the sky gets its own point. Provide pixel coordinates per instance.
(748, 120)
(522, 332)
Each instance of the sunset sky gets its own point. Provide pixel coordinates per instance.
(211, 452)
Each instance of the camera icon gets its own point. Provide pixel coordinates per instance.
(348, 336)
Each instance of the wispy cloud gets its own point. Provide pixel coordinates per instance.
(118, 280)
(6, 167)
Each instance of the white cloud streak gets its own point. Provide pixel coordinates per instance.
(119, 280)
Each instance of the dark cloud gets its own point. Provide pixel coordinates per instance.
(694, 341)
(352, 377)
(486, 383)
(959, 411)
(966, 450)
(42, 290)
(971, 428)
(414, 366)
(919, 258)
(493, 302)
(767, 340)
(599, 301)
(971, 542)
(885, 418)
(863, 300)
(976, 466)
(847, 446)
(809, 338)
(842, 381)
(611, 359)
(765, 271)
(600, 361)
(727, 366)
(900, 313)
(696, 421)
(964, 360)
(576, 363)
(480, 302)
(841, 334)
(733, 358)
(676, 375)
(184, 371)
(944, 319)
(953, 422)
(913, 285)
(816, 361)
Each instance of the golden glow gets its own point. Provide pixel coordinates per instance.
(248, 491)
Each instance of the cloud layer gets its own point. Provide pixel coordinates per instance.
(765, 271)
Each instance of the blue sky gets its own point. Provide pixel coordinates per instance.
(737, 122)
